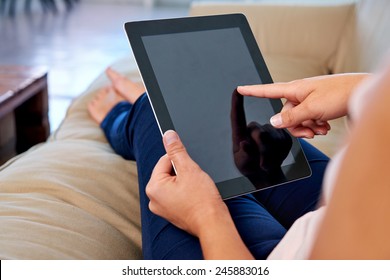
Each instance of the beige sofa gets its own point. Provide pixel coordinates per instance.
(74, 198)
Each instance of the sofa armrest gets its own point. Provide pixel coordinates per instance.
(297, 31)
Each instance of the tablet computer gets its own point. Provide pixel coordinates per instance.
(191, 68)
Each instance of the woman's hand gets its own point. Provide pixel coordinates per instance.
(310, 103)
(191, 201)
(188, 198)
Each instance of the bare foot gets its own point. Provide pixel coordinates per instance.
(103, 102)
(129, 90)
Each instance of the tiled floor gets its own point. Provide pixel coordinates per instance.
(75, 46)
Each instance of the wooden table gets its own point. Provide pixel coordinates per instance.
(24, 109)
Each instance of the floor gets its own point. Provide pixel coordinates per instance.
(74, 45)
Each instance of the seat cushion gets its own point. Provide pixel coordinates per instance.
(73, 199)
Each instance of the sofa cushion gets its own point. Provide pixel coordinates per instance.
(311, 31)
(287, 68)
(72, 199)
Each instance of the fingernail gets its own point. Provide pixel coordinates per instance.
(276, 120)
(170, 137)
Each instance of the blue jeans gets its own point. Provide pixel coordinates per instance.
(261, 218)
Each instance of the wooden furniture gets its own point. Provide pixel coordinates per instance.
(23, 109)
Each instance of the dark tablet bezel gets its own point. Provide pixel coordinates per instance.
(136, 30)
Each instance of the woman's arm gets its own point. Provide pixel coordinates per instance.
(190, 200)
(357, 221)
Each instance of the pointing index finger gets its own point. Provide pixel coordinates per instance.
(277, 90)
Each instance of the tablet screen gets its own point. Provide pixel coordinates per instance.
(197, 72)
(205, 76)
